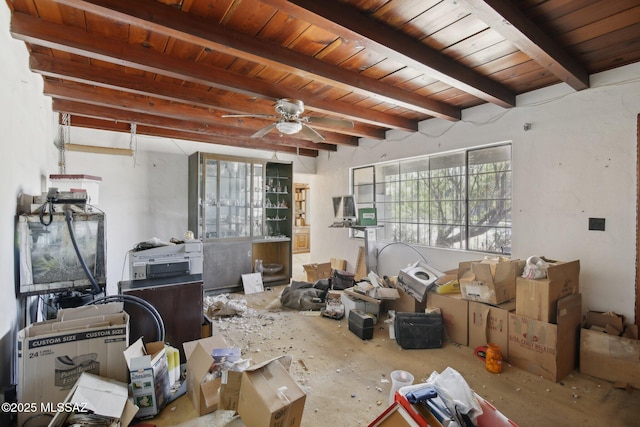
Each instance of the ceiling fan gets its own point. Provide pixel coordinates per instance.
(291, 122)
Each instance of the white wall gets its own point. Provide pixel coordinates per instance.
(577, 161)
(27, 155)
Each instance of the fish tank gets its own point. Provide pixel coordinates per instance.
(47, 259)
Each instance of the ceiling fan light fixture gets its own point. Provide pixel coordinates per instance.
(288, 128)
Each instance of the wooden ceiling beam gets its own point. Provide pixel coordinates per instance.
(76, 41)
(155, 16)
(353, 25)
(256, 144)
(505, 18)
(81, 109)
(133, 104)
(119, 80)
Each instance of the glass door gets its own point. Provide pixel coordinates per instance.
(235, 199)
(257, 215)
(211, 199)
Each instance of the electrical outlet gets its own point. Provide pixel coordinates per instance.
(596, 224)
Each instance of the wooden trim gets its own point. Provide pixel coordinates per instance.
(637, 221)
(98, 150)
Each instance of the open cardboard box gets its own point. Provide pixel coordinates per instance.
(149, 376)
(102, 396)
(492, 281)
(53, 354)
(219, 393)
(538, 298)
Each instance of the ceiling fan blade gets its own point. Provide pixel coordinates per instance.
(265, 130)
(266, 116)
(310, 133)
(330, 121)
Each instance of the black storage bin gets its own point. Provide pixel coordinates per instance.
(361, 324)
(419, 330)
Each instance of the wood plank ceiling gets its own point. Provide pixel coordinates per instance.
(174, 68)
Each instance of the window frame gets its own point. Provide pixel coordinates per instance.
(391, 193)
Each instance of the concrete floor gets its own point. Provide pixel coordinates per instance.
(347, 379)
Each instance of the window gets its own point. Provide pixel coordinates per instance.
(459, 200)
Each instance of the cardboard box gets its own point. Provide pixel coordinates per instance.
(455, 312)
(610, 357)
(208, 396)
(324, 270)
(270, 397)
(537, 298)
(101, 396)
(405, 303)
(490, 323)
(53, 354)
(604, 322)
(149, 374)
(547, 349)
(491, 280)
(316, 272)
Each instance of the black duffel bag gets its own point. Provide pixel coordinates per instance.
(419, 330)
(341, 280)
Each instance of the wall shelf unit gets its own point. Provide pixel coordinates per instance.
(241, 208)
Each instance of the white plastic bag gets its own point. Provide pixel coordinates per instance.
(454, 391)
(535, 268)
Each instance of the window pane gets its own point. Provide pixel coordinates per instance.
(459, 200)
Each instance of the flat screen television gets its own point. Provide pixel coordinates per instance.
(345, 208)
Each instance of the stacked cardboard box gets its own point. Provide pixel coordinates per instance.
(610, 351)
(545, 328)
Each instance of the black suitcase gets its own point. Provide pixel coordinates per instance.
(419, 330)
(361, 324)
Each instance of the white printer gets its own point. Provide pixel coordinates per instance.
(167, 260)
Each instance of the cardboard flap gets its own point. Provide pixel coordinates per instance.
(285, 361)
(199, 362)
(569, 306)
(562, 272)
(482, 271)
(89, 311)
(101, 395)
(209, 344)
(134, 351)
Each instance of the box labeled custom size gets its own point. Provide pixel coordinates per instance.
(149, 376)
(101, 396)
(53, 354)
(547, 349)
(490, 323)
(491, 280)
(269, 396)
(610, 357)
(455, 312)
(537, 298)
(209, 394)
